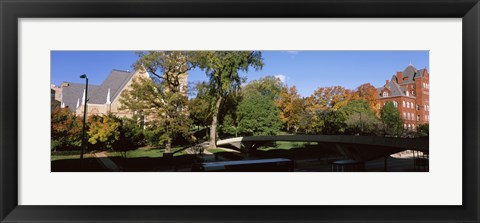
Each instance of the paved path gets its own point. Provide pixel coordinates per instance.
(106, 162)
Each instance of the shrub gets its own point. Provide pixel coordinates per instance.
(66, 130)
(103, 131)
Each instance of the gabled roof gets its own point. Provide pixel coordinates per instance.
(73, 93)
(420, 72)
(115, 81)
(395, 89)
(97, 94)
(411, 73)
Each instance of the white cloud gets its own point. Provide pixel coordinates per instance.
(282, 77)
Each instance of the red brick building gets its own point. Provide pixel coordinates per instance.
(409, 92)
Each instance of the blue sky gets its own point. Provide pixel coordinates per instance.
(307, 70)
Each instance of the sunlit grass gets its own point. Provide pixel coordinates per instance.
(286, 145)
(215, 150)
(67, 155)
(148, 152)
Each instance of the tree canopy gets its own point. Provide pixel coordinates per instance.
(222, 69)
(257, 115)
(292, 107)
(361, 119)
(162, 98)
(390, 117)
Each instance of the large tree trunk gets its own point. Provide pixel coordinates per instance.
(168, 146)
(213, 127)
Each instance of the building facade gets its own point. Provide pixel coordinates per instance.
(102, 99)
(408, 90)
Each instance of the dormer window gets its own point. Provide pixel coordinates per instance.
(407, 93)
(385, 94)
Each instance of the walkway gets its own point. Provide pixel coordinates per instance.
(106, 162)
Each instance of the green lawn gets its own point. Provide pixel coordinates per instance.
(148, 152)
(67, 155)
(140, 152)
(286, 145)
(215, 150)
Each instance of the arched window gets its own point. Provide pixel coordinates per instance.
(408, 116)
(405, 126)
(404, 115)
(403, 104)
(413, 126)
(411, 104)
(418, 118)
(409, 126)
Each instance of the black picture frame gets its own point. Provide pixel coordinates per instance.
(11, 11)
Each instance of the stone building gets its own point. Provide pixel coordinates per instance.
(103, 98)
(409, 92)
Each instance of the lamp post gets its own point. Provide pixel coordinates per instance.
(84, 76)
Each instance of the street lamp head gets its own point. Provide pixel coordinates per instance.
(83, 76)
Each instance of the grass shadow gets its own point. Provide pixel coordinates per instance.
(149, 164)
(75, 165)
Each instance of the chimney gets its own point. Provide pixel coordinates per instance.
(399, 77)
(386, 82)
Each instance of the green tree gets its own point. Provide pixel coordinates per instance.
(390, 117)
(332, 122)
(422, 130)
(131, 134)
(200, 106)
(66, 129)
(163, 97)
(269, 86)
(257, 115)
(222, 69)
(361, 118)
(229, 125)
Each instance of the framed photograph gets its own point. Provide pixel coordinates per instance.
(227, 111)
